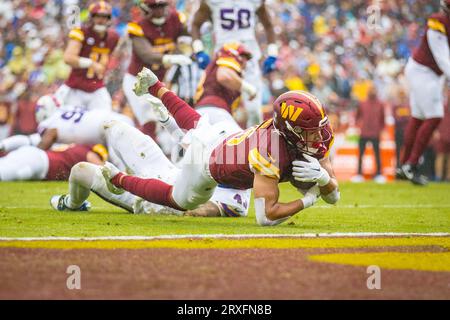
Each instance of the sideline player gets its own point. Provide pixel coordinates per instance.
(154, 40)
(293, 144)
(426, 73)
(88, 52)
(235, 20)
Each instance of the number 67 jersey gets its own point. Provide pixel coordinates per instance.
(80, 126)
(235, 20)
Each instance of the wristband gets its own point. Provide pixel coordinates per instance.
(153, 90)
(84, 63)
(247, 88)
(197, 46)
(272, 50)
(324, 178)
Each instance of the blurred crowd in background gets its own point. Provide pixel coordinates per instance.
(345, 52)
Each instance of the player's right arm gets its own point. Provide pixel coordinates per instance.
(72, 54)
(49, 137)
(268, 210)
(143, 49)
(202, 15)
(15, 142)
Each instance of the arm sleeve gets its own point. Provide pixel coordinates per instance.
(17, 141)
(438, 43)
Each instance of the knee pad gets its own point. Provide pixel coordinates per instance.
(84, 174)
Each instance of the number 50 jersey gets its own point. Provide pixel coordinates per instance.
(235, 20)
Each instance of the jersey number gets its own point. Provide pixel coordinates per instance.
(96, 57)
(230, 18)
(76, 115)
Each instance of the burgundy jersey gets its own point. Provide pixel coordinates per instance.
(95, 48)
(162, 38)
(211, 93)
(61, 162)
(439, 22)
(259, 149)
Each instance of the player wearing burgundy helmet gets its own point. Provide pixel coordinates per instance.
(291, 146)
(220, 89)
(426, 72)
(88, 52)
(154, 41)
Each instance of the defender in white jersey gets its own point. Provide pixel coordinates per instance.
(236, 20)
(76, 126)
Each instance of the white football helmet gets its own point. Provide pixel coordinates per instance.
(45, 107)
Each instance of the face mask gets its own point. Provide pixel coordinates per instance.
(159, 21)
(100, 28)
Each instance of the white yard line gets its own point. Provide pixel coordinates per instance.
(232, 236)
(351, 206)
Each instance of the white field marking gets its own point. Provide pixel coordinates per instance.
(227, 236)
(346, 206)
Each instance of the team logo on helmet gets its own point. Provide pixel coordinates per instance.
(301, 119)
(45, 107)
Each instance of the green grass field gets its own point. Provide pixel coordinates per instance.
(368, 207)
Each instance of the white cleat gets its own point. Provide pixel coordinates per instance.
(57, 202)
(109, 171)
(357, 179)
(379, 179)
(145, 79)
(159, 108)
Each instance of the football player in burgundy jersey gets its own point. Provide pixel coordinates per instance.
(426, 72)
(32, 163)
(293, 145)
(154, 41)
(88, 52)
(221, 86)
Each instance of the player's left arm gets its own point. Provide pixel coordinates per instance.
(49, 137)
(329, 192)
(311, 170)
(272, 48)
(438, 42)
(264, 17)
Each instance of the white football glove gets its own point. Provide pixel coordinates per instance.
(310, 171)
(159, 108)
(144, 79)
(109, 171)
(180, 59)
(311, 197)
